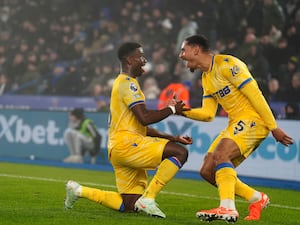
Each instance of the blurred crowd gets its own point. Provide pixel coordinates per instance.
(68, 47)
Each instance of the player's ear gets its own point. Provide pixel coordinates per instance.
(196, 50)
(129, 59)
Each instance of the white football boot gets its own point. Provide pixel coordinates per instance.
(73, 190)
(148, 206)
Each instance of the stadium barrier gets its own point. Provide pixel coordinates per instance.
(38, 102)
(34, 134)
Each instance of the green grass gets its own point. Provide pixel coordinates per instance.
(32, 194)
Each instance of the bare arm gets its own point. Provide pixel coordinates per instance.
(146, 116)
(156, 133)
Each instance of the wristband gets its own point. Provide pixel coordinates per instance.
(172, 107)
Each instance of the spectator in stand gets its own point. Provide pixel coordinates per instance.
(29, 80)
(206, 17)
(291, 7)
(150, 88)
(292, 94)
(228, 24)
(4, 83)
(286, 72)
(249, 40)
(188, 27)
(231, 47)
(279, 55)
(96, 78)
(100, 98)
(16, 68)
(174, 88)
(55, 79)
(274, 93)
(292, 111)
(293, 36)
(275, 35)
(162, 75)
(158, 67)
(71, 83)
(258, 66)
(273, 15)
(253, 15)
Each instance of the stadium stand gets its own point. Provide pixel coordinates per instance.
(67, 48)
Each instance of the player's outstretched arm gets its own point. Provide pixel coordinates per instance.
(206, 113)
(147, 116)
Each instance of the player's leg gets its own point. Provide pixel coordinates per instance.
(108, 199)
(225, 176)
(173, 158)
(170, 157)
(247, 144)
(130, 182)
(207, 170)
(258, 200)
(130, 166)
(134, 184)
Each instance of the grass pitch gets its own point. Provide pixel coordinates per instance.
(32, 194)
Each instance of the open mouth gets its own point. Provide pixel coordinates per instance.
(187, 64)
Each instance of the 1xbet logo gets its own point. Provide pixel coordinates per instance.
(15, 130)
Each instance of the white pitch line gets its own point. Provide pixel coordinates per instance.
(113, 186)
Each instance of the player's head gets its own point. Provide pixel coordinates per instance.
(78, 113)
(131, 56)
(198, 40)
(127, 49)
(192, 48)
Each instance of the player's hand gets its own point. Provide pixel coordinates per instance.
(179, 106)
(282, 137)
(172, 101)
(186, 140)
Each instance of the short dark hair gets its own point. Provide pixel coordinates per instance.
(199, 40)
(78, 113)
(126, 49)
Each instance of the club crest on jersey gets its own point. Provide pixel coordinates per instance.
(234, 70)
(133, 87)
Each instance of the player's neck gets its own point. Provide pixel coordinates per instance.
(127, 73)
(208, 63)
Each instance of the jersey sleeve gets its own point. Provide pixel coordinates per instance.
(238, 74)
(260, 104)
(206, 113)
(131, 93)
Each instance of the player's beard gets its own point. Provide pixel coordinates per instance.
(192, 70)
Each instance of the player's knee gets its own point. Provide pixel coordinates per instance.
(204, 173)
(220, 158)
(183, 155)
(207, 175)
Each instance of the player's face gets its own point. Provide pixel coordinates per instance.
(138, 62)
(187, 54)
